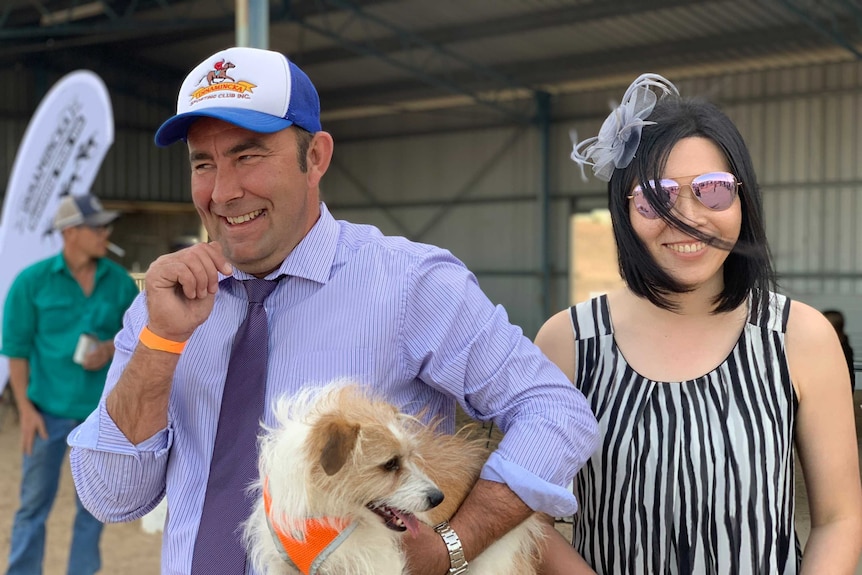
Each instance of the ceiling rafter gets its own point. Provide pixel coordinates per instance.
(423, 60)
(551, 71)
(521, 23)
(828, 19)
(117, 23)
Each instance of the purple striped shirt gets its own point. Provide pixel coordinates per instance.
(406, 318)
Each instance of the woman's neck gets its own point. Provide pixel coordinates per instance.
(700, 301)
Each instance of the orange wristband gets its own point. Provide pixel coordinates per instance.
(152, 341)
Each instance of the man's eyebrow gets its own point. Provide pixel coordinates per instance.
(198, 156)
(252, 144)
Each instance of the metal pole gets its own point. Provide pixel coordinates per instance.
(252, 23)
(543, 119)
(242, 22)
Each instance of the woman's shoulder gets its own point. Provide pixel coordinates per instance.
(556, 327)
(557, 341)
(813, 350)
(806, 323)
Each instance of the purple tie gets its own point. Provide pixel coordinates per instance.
(218, 548)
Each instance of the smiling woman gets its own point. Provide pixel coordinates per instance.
(702, 377)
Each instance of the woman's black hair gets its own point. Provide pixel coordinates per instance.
(748, 268)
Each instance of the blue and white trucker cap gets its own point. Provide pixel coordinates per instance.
(255, 89)
(85, 209)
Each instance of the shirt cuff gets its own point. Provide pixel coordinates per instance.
(99, 432)
(537, 493)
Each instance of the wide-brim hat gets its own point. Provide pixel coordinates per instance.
(259, 90)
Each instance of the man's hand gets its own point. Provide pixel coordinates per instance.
(490, 510)
(99, 356)
(32, 424)
(426, 553)
(181, 289)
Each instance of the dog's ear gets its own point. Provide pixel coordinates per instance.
(341, 439)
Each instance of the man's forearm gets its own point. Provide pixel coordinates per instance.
(490, 511)
(19, 377)
(138, 404)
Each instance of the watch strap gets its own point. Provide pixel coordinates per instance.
(457, 561)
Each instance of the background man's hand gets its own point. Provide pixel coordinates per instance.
(32, 424)
(99, 356)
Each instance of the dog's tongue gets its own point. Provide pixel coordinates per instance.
(410, 522)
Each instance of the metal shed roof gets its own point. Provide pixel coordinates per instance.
(379, 58)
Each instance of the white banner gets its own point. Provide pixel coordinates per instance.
(60, 154)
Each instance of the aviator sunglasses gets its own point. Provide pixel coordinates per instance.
(715, 190)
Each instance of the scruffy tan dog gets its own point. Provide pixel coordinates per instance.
(345, 476)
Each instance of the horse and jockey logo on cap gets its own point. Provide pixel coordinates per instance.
(220, 85)
(219, 72)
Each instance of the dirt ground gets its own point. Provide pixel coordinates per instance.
(128, 549)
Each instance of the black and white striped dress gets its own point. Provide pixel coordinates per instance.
(694, 476)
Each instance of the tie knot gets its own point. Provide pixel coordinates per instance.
(258, 289)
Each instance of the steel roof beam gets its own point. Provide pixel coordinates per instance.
(552, 71)
(124, 19)
(504, 26)
(421, 70)
(824, 20)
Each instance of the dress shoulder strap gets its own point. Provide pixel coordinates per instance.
(773, 316)
(591, 318)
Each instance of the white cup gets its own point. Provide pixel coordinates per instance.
(86, 344)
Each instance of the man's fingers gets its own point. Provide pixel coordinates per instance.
(205, 268)
(222, 264)
(194, 270)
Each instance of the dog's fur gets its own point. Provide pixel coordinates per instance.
(335, 452)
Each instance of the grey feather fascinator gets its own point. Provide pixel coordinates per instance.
(620, 134)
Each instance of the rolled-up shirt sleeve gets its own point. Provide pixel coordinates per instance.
(116, 480)
(461, 343)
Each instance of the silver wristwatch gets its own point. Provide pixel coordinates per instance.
(457, 561)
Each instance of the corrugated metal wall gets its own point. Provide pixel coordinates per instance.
(803, 128)
(476, 193)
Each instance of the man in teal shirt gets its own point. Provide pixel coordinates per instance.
(59, 321)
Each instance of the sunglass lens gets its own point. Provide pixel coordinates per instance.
(667, 193)
(642, 205)
(716, 190)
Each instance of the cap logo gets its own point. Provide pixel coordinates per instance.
(220, 85)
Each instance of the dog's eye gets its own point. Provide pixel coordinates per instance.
(393, 464)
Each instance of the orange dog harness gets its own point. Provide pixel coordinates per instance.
(308, 550)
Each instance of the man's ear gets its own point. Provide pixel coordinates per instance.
(318, 157)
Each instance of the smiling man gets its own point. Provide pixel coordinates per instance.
(338, 300)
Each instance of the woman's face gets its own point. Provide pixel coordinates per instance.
(688, 260)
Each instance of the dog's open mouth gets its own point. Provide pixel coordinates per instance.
(396, 519)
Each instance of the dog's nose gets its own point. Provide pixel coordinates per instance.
(435, 498)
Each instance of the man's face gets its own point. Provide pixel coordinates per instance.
(250, 193)
(90, 241)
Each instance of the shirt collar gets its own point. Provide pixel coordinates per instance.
(58, 265)
(312, 258)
